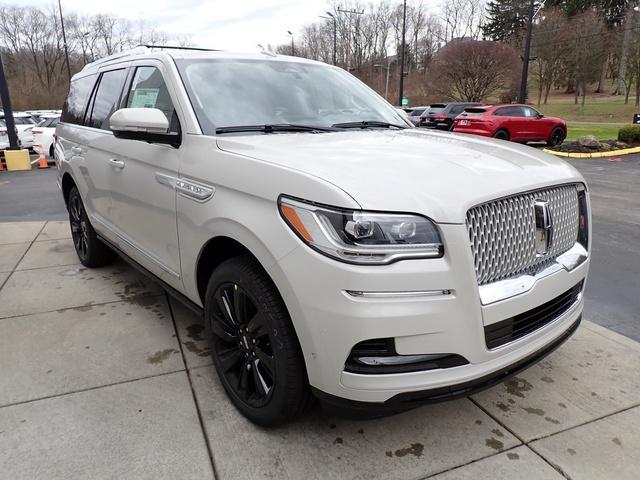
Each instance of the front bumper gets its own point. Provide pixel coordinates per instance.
(404, 401)
(329, 321)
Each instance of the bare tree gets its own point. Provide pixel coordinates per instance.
(549, 34)
(474, 70)
(585, 47)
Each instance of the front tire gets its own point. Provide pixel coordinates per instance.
(90, 250)
(502, 135)
(253, 344)
(557, 137)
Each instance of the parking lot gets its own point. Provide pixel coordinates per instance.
(104, 376)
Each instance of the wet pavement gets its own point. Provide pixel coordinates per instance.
(103, 376)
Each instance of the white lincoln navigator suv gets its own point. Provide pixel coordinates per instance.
(332, 250)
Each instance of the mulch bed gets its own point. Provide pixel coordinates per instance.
(603, 146)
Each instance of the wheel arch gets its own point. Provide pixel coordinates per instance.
(67, 184)
(215, 251)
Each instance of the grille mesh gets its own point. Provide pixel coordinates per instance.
(502, 232)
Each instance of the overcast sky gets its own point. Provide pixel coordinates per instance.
(226, 24)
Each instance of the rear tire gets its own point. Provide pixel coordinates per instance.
(90, 250)
(253, 344)
(502, 135)
(557, 137)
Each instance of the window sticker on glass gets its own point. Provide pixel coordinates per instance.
(144, 98)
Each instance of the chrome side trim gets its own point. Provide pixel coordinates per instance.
(194, 190)
(167, 180)
(409, 294)
(185, 187)
(122, 237)
(503, 289)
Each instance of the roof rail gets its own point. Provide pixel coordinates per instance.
(140, 49)
(171, 47)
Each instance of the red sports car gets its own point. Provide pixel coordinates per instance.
(519, 123)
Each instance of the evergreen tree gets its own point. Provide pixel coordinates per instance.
(505, 19)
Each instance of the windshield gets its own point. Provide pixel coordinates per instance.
(230, 93)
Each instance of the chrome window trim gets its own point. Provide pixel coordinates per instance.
(510, 287)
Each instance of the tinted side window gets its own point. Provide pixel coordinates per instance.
(456, 109)
(530, 112)
(509, 112)
(148, 90)
(74, 105)
(107, 96)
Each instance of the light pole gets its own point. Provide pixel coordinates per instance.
(404, 32)
(6, 106)
(64, 41)
(386, 84)
(293, 50)
(522, 96)
(335, 35)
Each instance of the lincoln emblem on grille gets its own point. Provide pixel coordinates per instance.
(544, 226)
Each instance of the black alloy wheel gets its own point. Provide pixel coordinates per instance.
(253, 344)
(90, 250)
(79, 231)
(243, 347)
(501, 135)
(557, 137)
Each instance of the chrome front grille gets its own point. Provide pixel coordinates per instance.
(503, 232)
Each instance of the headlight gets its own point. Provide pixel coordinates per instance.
(356, 236)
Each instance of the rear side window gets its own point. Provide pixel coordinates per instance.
(475, 110)
(106, 99)
(456, 109)
(417, 112)
(76, 102)
(509, 112)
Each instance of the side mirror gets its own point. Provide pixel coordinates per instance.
(146, 124)
(540, 115)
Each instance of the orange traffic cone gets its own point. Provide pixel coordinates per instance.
(42, 161)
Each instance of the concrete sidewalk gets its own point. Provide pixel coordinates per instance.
(101, 376)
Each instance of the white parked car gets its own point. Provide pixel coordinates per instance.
(4, 137)
(43, 134)
(331, 249)
(24, 124)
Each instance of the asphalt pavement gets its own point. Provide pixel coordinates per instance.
(613, 289)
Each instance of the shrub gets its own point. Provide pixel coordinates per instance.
(629, 134)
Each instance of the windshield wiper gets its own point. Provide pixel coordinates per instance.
(275, 127)
(368, 124)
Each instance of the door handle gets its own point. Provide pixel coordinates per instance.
(116, 163)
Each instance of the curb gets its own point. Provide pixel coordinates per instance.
(614, 153)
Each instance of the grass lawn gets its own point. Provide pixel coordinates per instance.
(601, 131)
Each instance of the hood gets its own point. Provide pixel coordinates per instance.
(440, 175)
